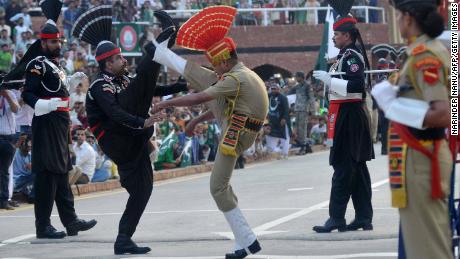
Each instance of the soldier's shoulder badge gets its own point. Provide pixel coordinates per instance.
(431, 75)
(431, 61)
(419, 49)
(108, 78)
(108, 88)
(35, 71)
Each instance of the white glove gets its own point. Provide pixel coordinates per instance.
(384, 93)
(323, 76)
(166, 57)
(43, 106)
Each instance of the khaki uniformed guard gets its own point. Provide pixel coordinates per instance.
(419, 158)
(236, 97)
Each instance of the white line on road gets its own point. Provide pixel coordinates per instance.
(300, 189)
(160, 212)
(15, 240)
(343, 256)
(302, 212)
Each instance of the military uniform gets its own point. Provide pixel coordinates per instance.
(352, 144)
(51, 163)
(117, 108)
(238, 101)
(251, 102)
(301, 106)
(348, 130)
(418, 189)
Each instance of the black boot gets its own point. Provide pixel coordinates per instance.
(308, 149)
(330, 225)
(301, 151)
(51, 233)
(360, 223)
(124, 245)
(79, 225)
(5, 205)
(240, 254)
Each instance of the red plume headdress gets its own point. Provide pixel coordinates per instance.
(207, 30)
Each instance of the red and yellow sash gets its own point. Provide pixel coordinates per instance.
(399, 139)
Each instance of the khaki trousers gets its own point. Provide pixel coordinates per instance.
(425, 222)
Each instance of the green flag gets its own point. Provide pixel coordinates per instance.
(166, 152)
(187, 153)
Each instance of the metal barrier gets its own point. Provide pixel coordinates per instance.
(264, 16)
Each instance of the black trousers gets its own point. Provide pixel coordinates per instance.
(139, 184)
(50, 188)
(6, 158)
(351, 179)
(384, 125)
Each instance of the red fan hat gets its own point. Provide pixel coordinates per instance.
(207, 30)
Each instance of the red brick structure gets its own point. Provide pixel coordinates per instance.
(289, 47)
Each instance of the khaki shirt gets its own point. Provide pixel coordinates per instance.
(252, 99)
(425, 71)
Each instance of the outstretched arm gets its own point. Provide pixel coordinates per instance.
(188, 100)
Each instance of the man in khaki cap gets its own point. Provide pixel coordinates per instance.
(236, 97)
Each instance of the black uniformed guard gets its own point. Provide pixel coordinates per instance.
(46, 90)
(118, 113)
(348, 127)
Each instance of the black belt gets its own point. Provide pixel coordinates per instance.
(428, 134)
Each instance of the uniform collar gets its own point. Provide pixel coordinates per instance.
(350, 46)
(238, 66)
(420, 39)
(108, 76)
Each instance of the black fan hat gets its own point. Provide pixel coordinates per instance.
(51, 9)
(344, 21)
(95, 27)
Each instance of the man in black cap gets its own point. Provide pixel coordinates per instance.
(45, 89)
(348, 127)
(118, 113)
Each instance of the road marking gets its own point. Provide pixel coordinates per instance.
(230, 236)
(302, 212)
(364, 255)
(299, 189)
(17, 239)
(160, 212)
(155, 184)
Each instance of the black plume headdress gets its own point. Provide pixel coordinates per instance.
(51, 9)
(344, 20)
(95, 27)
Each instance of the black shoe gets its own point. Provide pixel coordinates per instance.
(51, 233)
(240, 254)
(13, 203)
(168, 26)
(80, 225)
(308, 149)
(301, 151)
(360, 224)
(124, 245)
(330, 225)
(5, 205)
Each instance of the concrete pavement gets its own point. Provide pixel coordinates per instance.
(282, 200)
